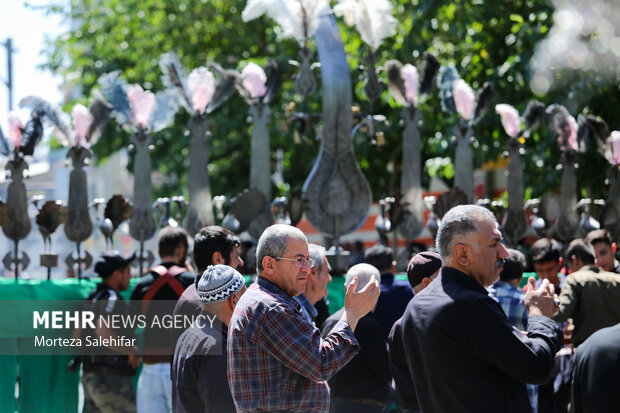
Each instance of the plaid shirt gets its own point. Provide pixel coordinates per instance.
(512, 301)
(276, 359)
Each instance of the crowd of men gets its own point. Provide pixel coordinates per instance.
(468, 332)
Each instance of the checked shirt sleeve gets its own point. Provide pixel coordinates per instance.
(299, 346)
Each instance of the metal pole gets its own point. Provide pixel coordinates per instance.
(79, 261)
(141, 260)
(9, 59)
(16, 260)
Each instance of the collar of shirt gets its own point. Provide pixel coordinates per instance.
(387, 278)
(272, 288)
(307, 306)
(462, 279)
(217, 324)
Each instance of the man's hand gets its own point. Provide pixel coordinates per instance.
(540, 301)
(358, 304)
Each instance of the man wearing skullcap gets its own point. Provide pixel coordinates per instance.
(199, 382)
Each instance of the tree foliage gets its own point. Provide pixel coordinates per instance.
(485, 40)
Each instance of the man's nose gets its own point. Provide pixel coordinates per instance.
(503, 252)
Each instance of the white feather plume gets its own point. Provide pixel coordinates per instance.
(372, 18)
(288, 14)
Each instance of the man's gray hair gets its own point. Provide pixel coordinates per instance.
(272, 243)
(364, 273)
(460, 220)
(317, 252)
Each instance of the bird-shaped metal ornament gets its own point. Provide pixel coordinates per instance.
(515, 224)
(258, 86)
(117, 210)
(51, 215)
(142, 112)
(18, 225)
(458, 97)
(201, 93)
(87, 124)
(566, 131)
(407, 89)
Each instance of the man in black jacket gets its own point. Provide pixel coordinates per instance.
(463, 353)
(363, 384)
(596, 372)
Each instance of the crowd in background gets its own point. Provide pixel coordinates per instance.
(472, 327)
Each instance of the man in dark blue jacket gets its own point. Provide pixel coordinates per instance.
(395, 294)
(463, 353)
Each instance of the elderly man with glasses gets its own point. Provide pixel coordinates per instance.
(278, 360)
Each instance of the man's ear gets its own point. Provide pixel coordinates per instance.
(461, 254)
(426, 281)
(116, 276)
(217, 258)
(232, 301)
(269, 264)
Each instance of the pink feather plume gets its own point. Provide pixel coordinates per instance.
(572, 138)
(613, 148)
(15, 129)
(142, 103)
(464, 99)
(510, 119)
(410, 77)
(81, 121)
(254, 80)
(201, 84)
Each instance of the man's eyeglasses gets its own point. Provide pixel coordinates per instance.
(300, 262)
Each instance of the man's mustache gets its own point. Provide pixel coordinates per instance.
(500, 263)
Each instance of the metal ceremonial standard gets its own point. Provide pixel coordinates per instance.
(337, 194)
(411, 179)
(142, 225)
(79, 226)
(200, 209)
(260, 171)
(515, 222)
(18, 226)
(568, 222)
(260, 165)
(464, 159)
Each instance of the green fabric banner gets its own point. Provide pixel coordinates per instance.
(44, 384)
